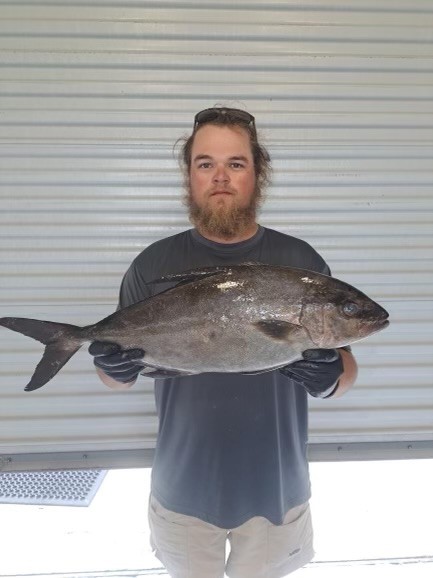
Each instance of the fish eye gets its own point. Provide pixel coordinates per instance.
(350, 309)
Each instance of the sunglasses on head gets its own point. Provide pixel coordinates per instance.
(234, 114)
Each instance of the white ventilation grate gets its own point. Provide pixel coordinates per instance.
(53, 488)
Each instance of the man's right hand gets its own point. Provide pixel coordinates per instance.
(119, 364)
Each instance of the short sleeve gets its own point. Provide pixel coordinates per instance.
(133, 288)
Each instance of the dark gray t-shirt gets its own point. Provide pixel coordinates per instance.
(230, 446)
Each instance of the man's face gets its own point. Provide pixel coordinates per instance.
(222, 197)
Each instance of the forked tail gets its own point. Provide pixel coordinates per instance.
(61, 341)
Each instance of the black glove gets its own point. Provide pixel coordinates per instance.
(318, 372)
(119, 364)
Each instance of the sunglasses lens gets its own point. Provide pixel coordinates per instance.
(206, 116)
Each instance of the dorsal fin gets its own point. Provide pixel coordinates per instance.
(199, 273)
(191, 275)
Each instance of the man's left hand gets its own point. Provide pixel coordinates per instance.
(318, 372)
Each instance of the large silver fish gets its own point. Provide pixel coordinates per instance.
(240, 318)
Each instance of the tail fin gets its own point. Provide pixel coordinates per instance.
(61, 341)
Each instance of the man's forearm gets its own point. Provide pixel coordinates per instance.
(112, 383)
(349, 375)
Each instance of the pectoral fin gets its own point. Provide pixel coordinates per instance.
(279, 330)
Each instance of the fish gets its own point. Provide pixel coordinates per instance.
(246, 318)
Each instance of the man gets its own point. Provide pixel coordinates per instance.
(230, 461)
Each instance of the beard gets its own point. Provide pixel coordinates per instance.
(225, 220)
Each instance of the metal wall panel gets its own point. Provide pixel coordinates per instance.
(93, 97)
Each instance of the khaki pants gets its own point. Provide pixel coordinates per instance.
(191, 548)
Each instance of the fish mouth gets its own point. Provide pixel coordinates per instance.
(382, 320)
(380, 324)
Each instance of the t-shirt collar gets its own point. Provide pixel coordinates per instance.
(229, 247)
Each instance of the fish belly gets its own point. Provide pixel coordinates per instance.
(198, 348)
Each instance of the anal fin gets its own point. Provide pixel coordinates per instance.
(157, 372)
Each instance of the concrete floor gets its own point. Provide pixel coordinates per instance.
(371, 519)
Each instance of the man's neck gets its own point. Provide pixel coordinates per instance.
(241, 236)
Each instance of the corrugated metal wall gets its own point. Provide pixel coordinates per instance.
(92, 99)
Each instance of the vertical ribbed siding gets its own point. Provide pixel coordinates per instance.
(92, 99)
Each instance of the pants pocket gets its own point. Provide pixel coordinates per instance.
(168, 539)
(290, 546)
